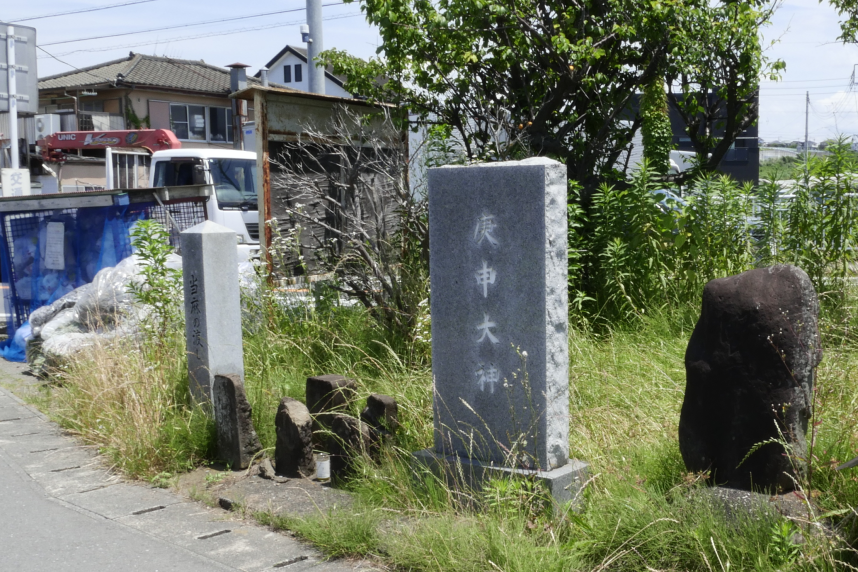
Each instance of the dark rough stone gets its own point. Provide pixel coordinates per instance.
(350, 437)
(381, 414)
(237, 442)
(266, 471)
(329, 393)
(327, 396)
(749, 378)
(293, 453)
(737, 504)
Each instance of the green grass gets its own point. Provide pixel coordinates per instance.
(131, 400)
(780, 169)
(642, 510)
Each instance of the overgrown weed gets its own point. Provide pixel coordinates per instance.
(131, 400)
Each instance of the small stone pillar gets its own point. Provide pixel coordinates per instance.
(293, 453)
(237, 442)
(212, 306)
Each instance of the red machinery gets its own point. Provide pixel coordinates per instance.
(150, 139)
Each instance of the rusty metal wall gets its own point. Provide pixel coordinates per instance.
(286, 117)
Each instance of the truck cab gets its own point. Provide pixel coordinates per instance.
(233, 176)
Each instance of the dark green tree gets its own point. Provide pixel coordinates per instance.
(848, 11)
(655, 126)
(548, 77)
(713, 76)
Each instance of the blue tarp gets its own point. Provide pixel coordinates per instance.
(47, 254)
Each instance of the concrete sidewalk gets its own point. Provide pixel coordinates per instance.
(62, 510)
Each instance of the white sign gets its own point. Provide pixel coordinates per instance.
(55, 242)
(16, 182)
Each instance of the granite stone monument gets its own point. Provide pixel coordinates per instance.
(212, 306)
(500, 361)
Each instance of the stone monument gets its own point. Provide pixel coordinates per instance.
(212, 306)
(749, 379)
(500, 356)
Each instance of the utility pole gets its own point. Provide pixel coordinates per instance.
(13, 91)
(315, 45)
(806, 115)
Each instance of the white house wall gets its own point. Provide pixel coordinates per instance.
(275, 75)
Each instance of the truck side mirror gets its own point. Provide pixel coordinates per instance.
(199, 175)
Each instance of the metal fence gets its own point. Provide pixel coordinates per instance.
(92, 238)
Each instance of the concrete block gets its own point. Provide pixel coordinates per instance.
(564, 483)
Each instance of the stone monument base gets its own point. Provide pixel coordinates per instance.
(564, 483)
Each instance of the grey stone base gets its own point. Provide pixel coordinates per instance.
(564, 483)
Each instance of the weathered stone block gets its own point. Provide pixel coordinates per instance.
(500, 356)
(237, 441)
(749, 378)
(329, 393)
(293, 453)
(381, 414)
(350, 437)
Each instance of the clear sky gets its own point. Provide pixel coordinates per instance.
(805, 29)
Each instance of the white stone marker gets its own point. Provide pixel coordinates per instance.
(500, 354)
(212, 306)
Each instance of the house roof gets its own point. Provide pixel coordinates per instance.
(301, 53)
(152, 71)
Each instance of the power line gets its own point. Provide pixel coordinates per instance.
(806, 80)
(81, 11)
(199, 36)
(75, 67)
(803, 88)
(233, 19)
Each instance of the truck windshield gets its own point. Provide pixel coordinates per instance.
(234, 181)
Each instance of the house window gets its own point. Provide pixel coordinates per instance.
(91, 106)
(298, 72)
(188, 122)
(201, 123)
(220, 125)
(287, 74)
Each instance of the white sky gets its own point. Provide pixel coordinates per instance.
(806, 29)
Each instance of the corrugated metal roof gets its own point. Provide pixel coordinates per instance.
(151, 71)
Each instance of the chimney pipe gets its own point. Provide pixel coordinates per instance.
(237, 82)
(315, 46)
(263, 75)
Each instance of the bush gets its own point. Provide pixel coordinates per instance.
(633, 255)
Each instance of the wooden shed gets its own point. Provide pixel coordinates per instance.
(298, 131)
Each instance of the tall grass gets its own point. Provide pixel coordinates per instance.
(642, 511)
(131, 400)
(632, 254)
(636, 276)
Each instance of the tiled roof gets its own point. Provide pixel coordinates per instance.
(150, 71)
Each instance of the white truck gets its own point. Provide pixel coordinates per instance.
(233, 175)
